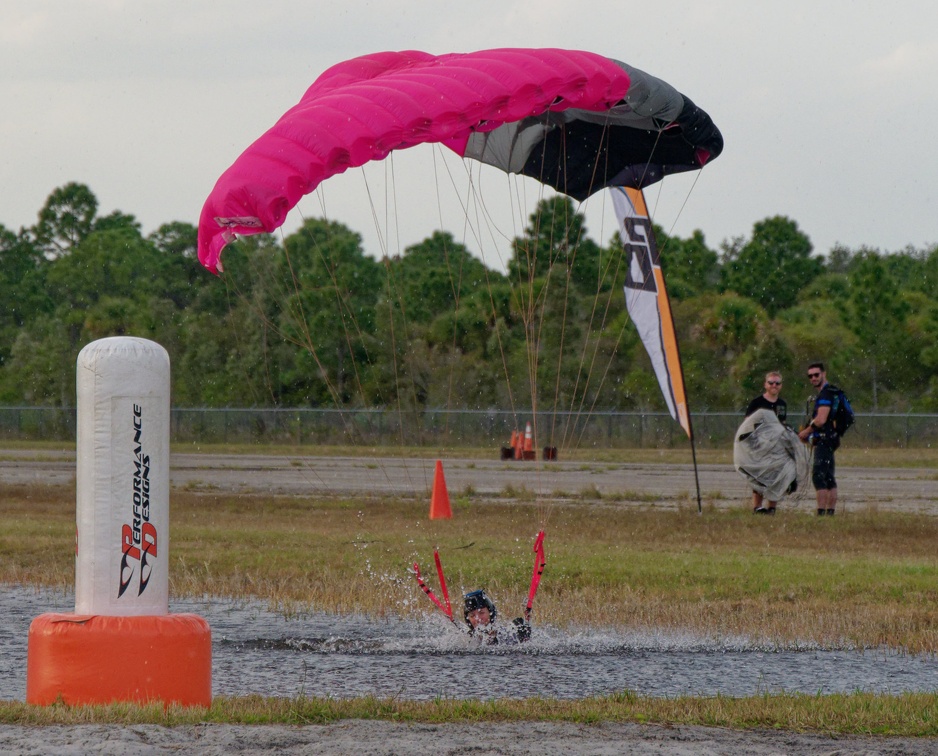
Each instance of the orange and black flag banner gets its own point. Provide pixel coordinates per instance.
(646, 299)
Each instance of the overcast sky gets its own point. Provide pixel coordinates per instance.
(829, 110)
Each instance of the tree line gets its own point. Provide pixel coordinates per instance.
(315, 320)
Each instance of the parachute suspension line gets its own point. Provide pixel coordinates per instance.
(347, 315)
(534, 318)
(521, 255)
(566, 301)
(231, 289)
(602, 276)
(562, 258)
(344, 311)
(353, 431)
(527, 306)
(545, 508)
(455, 275)
(306, 341)
(529, 301)
(579, 395)
(296, 312)
(567, 284)
(455, 282)
(265, 323)
(563, 263)
(594, 358)
(359, 334)
(395, 296)
(571, 416)
(456, 291)
(613, 352)
(614, 261)
(475, 198)
(390, 200)
(684, 203)
(580, 408)
(477, 201)
(563, 250)
(641, 181)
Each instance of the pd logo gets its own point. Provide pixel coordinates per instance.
(135, 557)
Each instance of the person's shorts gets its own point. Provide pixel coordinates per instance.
(823, 474)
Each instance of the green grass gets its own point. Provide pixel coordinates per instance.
(868, 580)
(910, 715)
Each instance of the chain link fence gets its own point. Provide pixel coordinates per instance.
(478, 428)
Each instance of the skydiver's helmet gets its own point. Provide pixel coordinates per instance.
(476, 600)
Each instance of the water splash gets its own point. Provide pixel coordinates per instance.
(257, 651)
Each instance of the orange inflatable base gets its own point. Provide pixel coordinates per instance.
(97, 659)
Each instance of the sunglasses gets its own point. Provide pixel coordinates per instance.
(774, 383)
(814, 375)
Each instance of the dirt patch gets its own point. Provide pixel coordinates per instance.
(367, 738)
(913, 490)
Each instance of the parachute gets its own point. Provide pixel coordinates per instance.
(573, 120)
(770, 455)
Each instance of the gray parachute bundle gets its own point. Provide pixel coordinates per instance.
(770, 455)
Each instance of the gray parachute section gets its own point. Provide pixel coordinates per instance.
(770, 455)
(654, 132)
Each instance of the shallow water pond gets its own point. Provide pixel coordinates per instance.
(256, 651)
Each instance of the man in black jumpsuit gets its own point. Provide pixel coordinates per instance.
(820, 432)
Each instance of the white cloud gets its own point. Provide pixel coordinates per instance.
(907, 60)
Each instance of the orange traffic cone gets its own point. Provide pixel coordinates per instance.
(528, 443)
(519, 445)
(439, 501)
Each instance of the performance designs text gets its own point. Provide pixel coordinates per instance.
(138, 539)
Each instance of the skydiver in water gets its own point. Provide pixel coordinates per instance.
(480, 614)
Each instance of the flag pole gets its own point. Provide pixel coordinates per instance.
(690, 422)
(680, 378)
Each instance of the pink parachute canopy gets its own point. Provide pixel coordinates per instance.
(574, 120)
